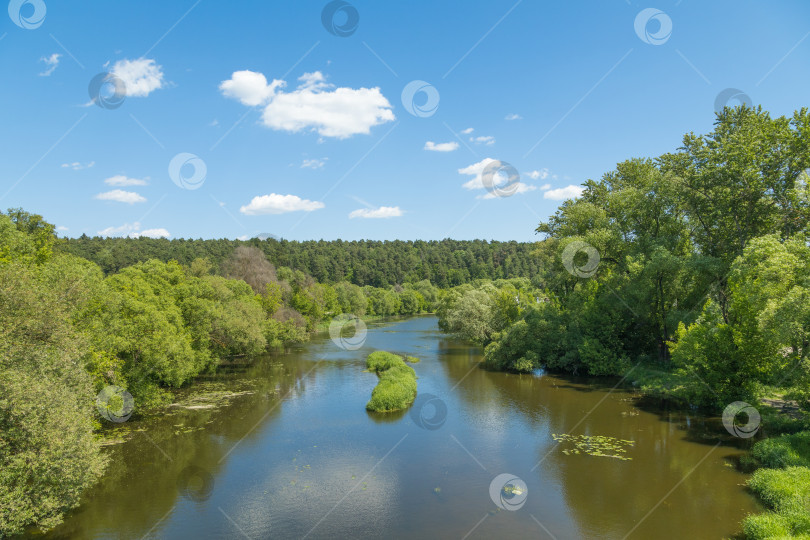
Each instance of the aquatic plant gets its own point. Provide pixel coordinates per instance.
(595, 445)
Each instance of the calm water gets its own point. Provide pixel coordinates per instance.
(300, 456)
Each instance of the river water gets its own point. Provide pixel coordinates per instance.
(297, 455)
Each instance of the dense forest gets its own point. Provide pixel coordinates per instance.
(444, 263)
(688, 275)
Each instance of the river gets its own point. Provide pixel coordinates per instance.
(297, 455)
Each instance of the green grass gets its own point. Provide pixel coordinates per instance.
(787, 493)
(397, 386)
(787, 450)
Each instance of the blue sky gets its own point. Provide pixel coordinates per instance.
(561, 91)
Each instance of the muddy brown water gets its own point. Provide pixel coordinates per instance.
(297, 455)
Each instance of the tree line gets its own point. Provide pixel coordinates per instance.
(444, 263)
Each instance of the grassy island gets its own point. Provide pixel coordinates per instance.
(397, 386)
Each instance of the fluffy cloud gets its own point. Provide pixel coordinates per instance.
(467, 131)
(50, 62)
(513, 117)
(134, 231)
(441, 147)
(249, 87)
(314, 104)
(76, 166)
(561, 194)
(279, 204)
(313, 163)
(487, 140)
(141, 77)
(119, 195)
(381, 212)
(121, 180)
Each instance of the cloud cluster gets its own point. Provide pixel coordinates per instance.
(279, 204)
(314, 105)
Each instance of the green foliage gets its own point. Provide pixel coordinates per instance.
(48, 453)
(786, 450)
(396, 388)
(444, 263)
(787, 493)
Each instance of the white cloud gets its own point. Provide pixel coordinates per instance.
(467, 131)
(62, 228)
(119, 195)
(313, 163)
(535, 175)
(121, 180)
(475, 170)
(561, 194)
(487, 140)
(381, 212)
(76, 166)
(441, 147)
(51, 62)
(545, 187)
(279, 204)
(141, 77)
(513, 117)
(134, 231)
(155, 233)
(249, 87)
(332, 112)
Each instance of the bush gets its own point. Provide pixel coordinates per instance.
(397, 387)
(783, 451)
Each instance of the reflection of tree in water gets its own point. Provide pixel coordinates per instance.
(141, 484)
(607, 496)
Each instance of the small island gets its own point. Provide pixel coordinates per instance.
(396, 389)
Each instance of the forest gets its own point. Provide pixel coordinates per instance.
(445, 263)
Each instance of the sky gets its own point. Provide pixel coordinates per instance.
(364, 119)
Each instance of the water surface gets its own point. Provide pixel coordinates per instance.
(297, 456)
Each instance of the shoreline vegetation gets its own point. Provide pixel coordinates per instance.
(688, 274)
(396, 388)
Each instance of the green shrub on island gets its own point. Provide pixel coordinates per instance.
(397, 386)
